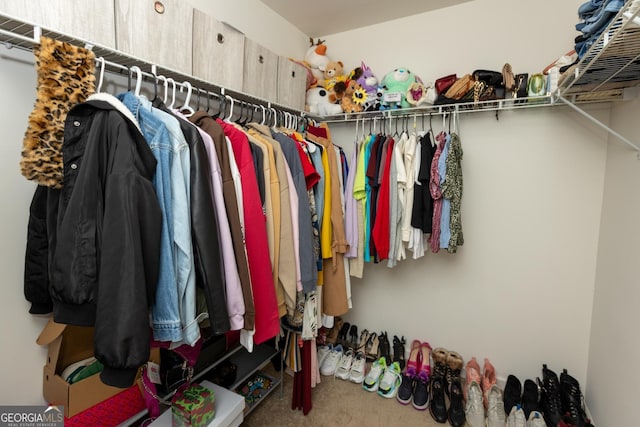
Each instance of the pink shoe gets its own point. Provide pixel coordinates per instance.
(472, 372)
(488, 379)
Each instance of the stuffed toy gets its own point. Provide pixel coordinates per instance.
(418, 94)
(353, 98)
(333, 73)
(316, 59)
(396, 83)
(318, 102)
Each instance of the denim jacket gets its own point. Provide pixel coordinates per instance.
(174, 311)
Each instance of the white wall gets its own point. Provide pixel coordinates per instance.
(614, 349)
(260, 23)
(520, 291)
(22, 360)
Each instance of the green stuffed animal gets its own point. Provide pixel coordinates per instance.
(396, 83)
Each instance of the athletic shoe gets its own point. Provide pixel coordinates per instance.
(323, 352)
(390, 381)
(358, 365)
(330, 363)
(516, 417)
(496, 416)
(342, 371)
(474, 411)
(372, 380)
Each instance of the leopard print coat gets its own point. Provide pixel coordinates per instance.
(65, 78)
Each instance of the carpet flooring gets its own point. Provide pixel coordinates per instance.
(335, 403)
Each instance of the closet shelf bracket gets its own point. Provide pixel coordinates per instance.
(599, 123)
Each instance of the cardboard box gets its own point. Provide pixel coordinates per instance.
(194, 407)
(66, 345)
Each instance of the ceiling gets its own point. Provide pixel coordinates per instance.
(335, 16)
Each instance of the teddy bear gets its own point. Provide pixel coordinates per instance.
(353, 98)
(318, 102)
(333, 73)
(316, 59)
(396, 83)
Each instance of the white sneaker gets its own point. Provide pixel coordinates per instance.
(356, 374)
(474, 411)
(517, 417)
(344, 366)
(330, 363)
(372, 379)
(323, 352)
(536, 420)
(496, 416)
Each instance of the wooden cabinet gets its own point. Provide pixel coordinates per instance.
(218, 52)
(90, 20)
(292, 83)
(159, 32)
(260, 71)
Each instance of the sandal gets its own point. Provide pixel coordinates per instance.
(399, 350)
(362, 344)
(385, 349)
(372, 347)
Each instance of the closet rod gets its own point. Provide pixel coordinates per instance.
(25, 35)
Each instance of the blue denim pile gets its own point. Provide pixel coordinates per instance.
(595, 16)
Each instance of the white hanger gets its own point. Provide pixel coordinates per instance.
(138, 72)
(264, 115)
(173, 96)
(275, 116)
(101, 76)
(186, 106)
(228, 119)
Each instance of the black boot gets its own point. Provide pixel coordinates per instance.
(454, 367)
(437, 406)
(550, 402)
(385, 349)
(530, 398)
(571, 397)
(456, 407)
(398, 351)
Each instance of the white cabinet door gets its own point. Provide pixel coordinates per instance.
(89, 20)
(156, 31)
(292, 83)
(260, 71)
(218, 52)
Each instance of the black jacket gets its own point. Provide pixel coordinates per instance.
(105, 260)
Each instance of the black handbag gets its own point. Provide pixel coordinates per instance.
(494, 84)
(520, 89)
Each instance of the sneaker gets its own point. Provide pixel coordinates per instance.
(421, 392)
(488, 380)
(330, 363)
(472, 374)
(372, 379)
(323, 352)
(356, 374)
(516, 417)
(530, 398)
(474, 410)
(405, 392)
(344, 367)
(536, 420)
(512, 393)
(496, 416)
(390, 381)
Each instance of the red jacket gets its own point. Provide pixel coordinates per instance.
(267, 321)
(381, 231)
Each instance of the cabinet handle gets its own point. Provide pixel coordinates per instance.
(261, 59)
(220, 38)
(293, 74)
(158, 7)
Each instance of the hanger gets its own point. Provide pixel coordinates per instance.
(275, 116)
(228, 119)
(186, 106)
(173, 89)
(101, 76)
(264, 115)
(198, 99)
(208, 102)
(138, 72)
